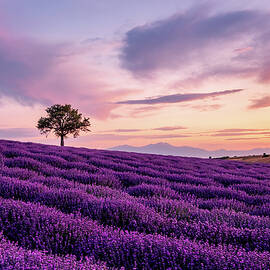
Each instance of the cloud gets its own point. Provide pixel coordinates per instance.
(123, 130)
(177, 98)
(15, 133)
(166, 136)
(206, 108)
(169, 128)
(242, 139)
(145, 111)
(265, 74)
(219, 71)
(240, 130)
(35, 72)
(117, 137)
(260, 103)
(23, 61)
(243, 50)
(107, 137)
(91, 40)
(224, 134)
(231, 43)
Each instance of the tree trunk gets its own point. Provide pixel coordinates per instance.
(62, 140)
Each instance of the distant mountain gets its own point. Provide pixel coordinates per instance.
(186, 151)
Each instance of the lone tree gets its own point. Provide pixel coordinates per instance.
(63, 120)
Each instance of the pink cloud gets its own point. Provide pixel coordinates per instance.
(243, 50)
(241, 129)
(260, 103)
(35, 72)
(120, 137)
(241, 132)
(206, 108)
(124, 130)
(265, 74)
(145, 111)
(224, 134)
(243, 139)
(169, 128)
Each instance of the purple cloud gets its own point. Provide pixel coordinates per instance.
(23, 61)
(32, 72)
(15, 133)
(220, 71)
(196, 36)
(177, 98)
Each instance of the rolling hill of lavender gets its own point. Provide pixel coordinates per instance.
(76, 208)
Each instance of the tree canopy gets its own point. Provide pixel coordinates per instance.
(63, 120)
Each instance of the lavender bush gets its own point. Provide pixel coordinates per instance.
(76, 208)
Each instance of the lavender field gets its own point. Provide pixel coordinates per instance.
(75, 208)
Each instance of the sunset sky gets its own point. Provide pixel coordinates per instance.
(194, 73)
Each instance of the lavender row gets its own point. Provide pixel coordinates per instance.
(223, 178)
(187, 209)
(14, 257)
(125, 214)
(59, 182)
(62, 183)
(109, 179)
(175, 191)
(35, 226)
(130, 215)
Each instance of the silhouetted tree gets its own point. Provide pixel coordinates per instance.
(63, 120)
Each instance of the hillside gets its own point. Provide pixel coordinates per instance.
(96, 209)
(253, 159)
(186, 151)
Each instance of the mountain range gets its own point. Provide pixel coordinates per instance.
(187, 151)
